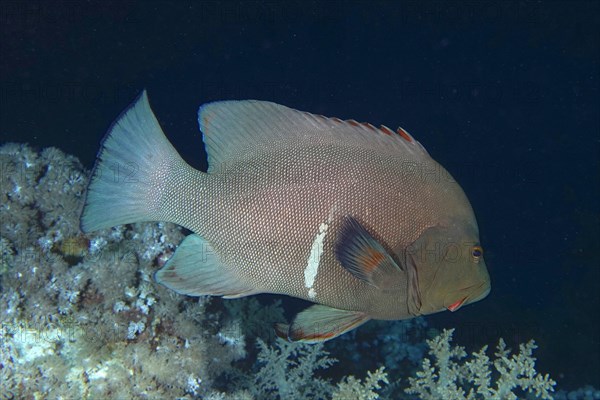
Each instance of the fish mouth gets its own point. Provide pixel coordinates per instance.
(474, 289)
(456, 305)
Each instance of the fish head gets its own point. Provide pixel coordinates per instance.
(450, 268)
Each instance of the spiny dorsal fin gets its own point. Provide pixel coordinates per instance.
(233, 128)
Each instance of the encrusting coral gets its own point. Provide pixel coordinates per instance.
(81, 317)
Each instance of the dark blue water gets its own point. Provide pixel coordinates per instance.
(505, 95)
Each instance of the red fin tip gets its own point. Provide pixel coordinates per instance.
(386, 130)
(404, 135)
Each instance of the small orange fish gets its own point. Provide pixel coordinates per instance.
(360, 220)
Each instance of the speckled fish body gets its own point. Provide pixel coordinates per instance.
(358, 219)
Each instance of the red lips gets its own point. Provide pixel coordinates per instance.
(454, 306)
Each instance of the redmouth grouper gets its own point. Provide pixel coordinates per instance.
(357, 219)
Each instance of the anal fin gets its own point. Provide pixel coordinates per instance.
(196, 270)
(319, 323)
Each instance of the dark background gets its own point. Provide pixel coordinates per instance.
(503, 94)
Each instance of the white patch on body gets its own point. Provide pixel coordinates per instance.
(314, 258)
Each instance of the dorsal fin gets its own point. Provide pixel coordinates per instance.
(231, 128)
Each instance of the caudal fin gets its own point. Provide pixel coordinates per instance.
(131, 171)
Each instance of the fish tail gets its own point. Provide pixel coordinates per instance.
(133, 170)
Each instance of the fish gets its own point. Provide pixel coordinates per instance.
(359, 220)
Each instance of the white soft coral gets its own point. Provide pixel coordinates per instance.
(448, 378)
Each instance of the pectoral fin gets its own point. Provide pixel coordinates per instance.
(319, 323)
(195, 270)
(366, 259)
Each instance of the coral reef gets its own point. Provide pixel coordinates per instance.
(288, 370)
(85, 307)
(447, 378)
(353, 389)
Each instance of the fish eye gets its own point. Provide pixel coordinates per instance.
(477, 253)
